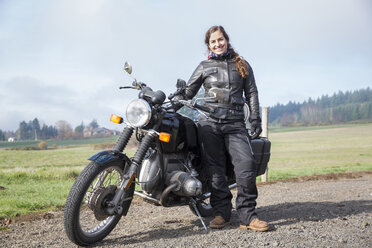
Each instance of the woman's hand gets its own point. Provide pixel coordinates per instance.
(256, 128)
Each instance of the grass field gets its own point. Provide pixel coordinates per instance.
(40, 180)
(303, 152)
(54, 142)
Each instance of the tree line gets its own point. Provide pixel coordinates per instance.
(340, 107)
(32, 130)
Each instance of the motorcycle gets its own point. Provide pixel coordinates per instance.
(167, 166)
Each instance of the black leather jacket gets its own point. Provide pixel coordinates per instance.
(220, 75)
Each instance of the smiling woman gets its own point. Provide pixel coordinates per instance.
(217, 42)
(224, 129)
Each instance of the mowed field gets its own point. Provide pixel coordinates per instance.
(39, 180)
(303, 152)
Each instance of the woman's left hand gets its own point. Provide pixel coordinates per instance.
(256, 128)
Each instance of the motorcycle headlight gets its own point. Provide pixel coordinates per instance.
(138, 113)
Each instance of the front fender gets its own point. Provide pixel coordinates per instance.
(105, 157)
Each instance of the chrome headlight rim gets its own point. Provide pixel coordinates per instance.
(145, 113)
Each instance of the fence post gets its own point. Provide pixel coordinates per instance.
(265, 133)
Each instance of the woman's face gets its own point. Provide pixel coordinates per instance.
(218, 43)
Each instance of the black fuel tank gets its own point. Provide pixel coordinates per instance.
(183, 133)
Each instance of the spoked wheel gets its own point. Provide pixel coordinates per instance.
(203, 206)
(86, 221)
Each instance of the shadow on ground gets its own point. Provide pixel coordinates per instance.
(280, 215)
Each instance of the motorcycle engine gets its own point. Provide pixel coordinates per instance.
(150, 175)
(187, 185)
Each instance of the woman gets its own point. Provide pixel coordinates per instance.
(227, 75)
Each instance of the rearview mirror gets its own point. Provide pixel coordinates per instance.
(128, 68)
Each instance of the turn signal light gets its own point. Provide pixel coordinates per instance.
(133, 175)
(116, 119)
(165, 137)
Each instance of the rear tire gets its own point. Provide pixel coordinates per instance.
(84, 219)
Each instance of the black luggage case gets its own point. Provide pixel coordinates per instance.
(261, 151)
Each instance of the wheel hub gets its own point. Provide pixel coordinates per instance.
(98, 199)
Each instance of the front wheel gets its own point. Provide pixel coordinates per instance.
(85, 219)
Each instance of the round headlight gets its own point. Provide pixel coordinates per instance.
(138, 113)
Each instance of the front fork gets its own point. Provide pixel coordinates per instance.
(113, 206)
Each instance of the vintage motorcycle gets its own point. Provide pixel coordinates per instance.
(167, 167)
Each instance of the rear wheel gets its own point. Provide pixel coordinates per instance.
(85, 219)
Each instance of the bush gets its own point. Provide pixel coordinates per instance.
(24, 148)
(42, 145)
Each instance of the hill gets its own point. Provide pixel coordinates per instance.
(339, 108)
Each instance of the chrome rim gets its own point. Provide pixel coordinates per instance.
(92, 218)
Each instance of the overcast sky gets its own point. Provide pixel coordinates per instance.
(63, 59)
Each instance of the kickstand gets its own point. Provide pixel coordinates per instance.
(193, 203)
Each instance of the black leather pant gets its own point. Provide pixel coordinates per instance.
(230, 139)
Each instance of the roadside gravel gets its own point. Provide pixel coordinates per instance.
(320, 213)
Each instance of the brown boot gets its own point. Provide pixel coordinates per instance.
(217, 223)
(257, 225)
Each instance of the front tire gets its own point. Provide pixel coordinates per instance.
(85, 220)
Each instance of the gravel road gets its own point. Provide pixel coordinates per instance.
(316, 213)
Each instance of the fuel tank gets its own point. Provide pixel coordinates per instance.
(183, 133)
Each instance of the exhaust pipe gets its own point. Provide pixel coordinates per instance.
(163, 196)
(149, 198)
(166, 192)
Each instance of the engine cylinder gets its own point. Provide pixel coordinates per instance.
(187, 185)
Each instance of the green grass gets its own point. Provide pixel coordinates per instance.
(30, 195)
(35, 180)
(304, 152)
(40, 180)
(78, 142)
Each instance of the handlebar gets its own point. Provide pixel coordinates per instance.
(155, 97)
(195, 105)
(135, 85)
(204, 108)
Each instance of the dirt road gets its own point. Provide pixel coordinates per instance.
(317, 213)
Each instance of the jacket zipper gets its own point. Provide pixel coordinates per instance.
(228, 77)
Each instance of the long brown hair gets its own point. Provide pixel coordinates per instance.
(240, 63)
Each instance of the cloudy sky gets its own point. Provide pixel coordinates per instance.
(63, 59)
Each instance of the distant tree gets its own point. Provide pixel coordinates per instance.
(44, 132)
(36, 128)
(80, 128)
(94, 124)
(48, 132)
(24, 131)
(64, 129)
(52, 132)
(2, 135)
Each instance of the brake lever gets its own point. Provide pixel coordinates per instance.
(191, 104)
